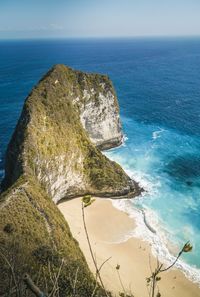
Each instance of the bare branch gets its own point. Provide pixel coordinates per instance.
(34, 289)
(103, 264)
(75, 281)
(91, 251)
(55, 287)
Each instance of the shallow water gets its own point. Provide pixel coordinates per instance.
(171, 200)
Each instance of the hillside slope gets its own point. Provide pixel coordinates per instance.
(54, 154)
(51, 143)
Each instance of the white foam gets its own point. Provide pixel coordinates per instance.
(145, 181)
(156, 134)
(158, 240)
(124, 139)
(123, 143)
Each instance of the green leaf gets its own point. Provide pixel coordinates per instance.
(187, 247)
(87, 200)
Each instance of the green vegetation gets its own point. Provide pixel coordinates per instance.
(36, 245)
(154, 279)
(35, 236)
(49, 135)
(104, 174)
(48, 143)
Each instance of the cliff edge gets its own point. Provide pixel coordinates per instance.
(65, 119)
(54, 154)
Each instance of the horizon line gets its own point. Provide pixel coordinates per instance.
(98, 37)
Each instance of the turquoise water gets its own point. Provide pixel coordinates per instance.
(158, 86)
(165, 163)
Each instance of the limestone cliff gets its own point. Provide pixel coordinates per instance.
(51, 144)
(99, 110)
(53, 155)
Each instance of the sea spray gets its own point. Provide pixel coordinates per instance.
(146, 161)
(157, 134)
(157, 240)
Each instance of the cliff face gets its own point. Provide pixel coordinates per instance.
(36, 239)
(99, 110)
(52, 155)
(51, 144)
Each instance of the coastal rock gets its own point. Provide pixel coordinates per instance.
(35, 237)
(99, 110)
(53, 154)
(64, 118)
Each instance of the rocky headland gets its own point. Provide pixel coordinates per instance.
(55, 154)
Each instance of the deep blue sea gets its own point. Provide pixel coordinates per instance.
(158, 87)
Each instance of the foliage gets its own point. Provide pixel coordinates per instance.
(49, 134)
(153, 280)
(87, 200)
(40, 236)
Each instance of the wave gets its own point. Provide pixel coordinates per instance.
(156, 134)
(123, 144)
(151, 232)
(148, 224)
(145, 181)
(148, 229)
(124, 140)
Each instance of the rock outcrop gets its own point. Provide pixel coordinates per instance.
(36, 239)
(68, 115)
(99, 110)
(54, 154)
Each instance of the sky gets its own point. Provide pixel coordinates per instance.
(98, 18)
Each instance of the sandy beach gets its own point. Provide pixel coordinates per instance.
(106, 226)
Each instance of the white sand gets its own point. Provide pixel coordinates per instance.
(106, 226)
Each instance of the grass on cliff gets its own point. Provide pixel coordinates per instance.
(50, 128)
(104, 173)
(31, 226)
(34, 234)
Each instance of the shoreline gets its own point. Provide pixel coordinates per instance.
(129, 195)
(107, 226)
(160, 247)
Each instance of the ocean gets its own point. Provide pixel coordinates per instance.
(157, 81)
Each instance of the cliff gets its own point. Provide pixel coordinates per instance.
(99, 110)
(54, 154)
(51, 144)
(36, 239)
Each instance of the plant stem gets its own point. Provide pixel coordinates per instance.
(91, 251)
